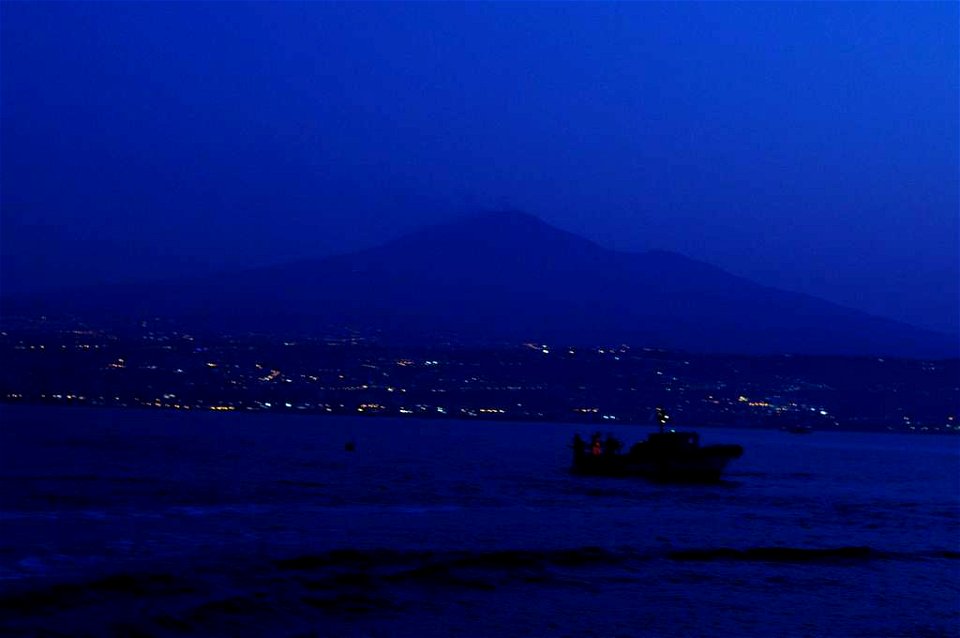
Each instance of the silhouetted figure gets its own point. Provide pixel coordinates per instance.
(579, 446)
(596, 444)
(613, 444)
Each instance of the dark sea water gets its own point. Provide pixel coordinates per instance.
(172, 524)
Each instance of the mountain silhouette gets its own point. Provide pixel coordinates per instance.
(509, 277)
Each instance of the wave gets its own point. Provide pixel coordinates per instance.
(71, 594)
(364, 579)
(307, 484)
(494, 559)
(79, 478)
(385, 559)
(777, 554)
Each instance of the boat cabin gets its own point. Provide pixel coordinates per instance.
(674, 440)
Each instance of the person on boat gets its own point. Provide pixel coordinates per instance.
(613, 444)
(579, 446)
(596, 444)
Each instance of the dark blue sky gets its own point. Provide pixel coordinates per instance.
(810, 146)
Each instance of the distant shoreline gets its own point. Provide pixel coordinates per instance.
(592, 387)
(584, 425)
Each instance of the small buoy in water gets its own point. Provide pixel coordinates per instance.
(350, 446)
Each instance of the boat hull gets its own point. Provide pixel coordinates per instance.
(700, 465)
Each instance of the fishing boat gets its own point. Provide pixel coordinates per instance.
(666, 455)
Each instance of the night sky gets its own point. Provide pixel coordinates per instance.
(810, 146)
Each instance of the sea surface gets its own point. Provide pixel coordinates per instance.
(141, 523)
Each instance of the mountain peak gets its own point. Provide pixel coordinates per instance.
(497, 221)
(506, 217)
(500, 232)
